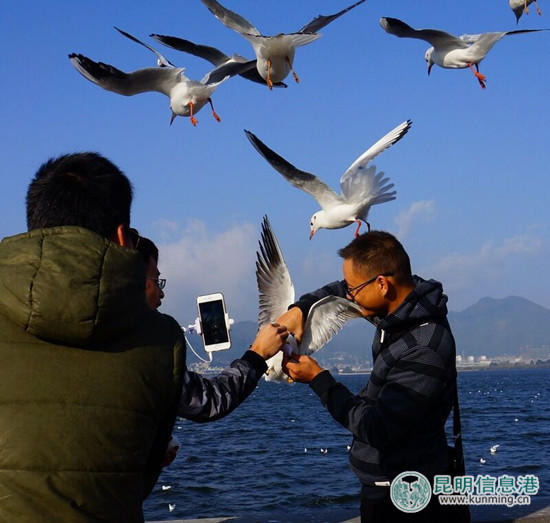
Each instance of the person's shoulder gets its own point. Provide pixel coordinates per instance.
(160, 328)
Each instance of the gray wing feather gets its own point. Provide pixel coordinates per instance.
(435, 37)
(160, 79)
(227, 69)
(230, 19)
(321, 21)
(162, 60)
(275, 288)
(300, 179)
(326, 317)
(213, 55)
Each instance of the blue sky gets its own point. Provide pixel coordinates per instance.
(471, 175)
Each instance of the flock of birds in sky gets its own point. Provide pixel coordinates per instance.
(361, 186)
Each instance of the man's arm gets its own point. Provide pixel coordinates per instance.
(204, 399)
(413, 386)
(294, 318)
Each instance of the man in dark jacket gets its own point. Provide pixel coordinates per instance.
(91, 378)
(398, 419)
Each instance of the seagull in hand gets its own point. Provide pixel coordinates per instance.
(276, 291)
(213, 55)
(449, 51)
(361, 187)
(275, 54)
(187, 96)
(520, 6)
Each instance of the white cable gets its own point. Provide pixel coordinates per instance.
(193, 351)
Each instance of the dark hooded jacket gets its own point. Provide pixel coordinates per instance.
(91, 380)
(398, 419)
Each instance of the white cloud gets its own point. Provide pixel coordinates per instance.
(422, 211)
(198, 261)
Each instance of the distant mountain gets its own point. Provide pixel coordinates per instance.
(491, 327)
(500, 326)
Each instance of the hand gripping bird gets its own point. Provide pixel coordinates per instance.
(276, 293)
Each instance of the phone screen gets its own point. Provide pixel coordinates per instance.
(213, 322)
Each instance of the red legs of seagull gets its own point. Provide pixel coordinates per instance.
(480, 78)
(269, 82)
(539, 12)
(191, 117)
(293, 72)
(214, 114)
(359, 222)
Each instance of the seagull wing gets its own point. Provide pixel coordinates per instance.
(326, 317)
(484, 42)
(321, 21)
(374, 150)
(435, 37)
(309, 183)
(365, 188)
(274, 284)
(160, 79)
(213, 55)
(162, 60)
(230, 19)
(227, 70)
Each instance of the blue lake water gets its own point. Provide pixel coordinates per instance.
(264, 461)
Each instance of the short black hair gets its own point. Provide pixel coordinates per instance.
(145, 246)
(379, 252)
(83, 189)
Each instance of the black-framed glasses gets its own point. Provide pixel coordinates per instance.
(354, 291)
(160, 282)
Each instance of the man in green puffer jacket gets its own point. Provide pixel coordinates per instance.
(91, 379)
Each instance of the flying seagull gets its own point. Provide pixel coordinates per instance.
(448, 51)
(213, 55)
(187, 96)
(361, 187)
(274, 54)
(326, 317)
(520, 6)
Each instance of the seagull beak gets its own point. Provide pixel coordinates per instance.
(172, 118)
(311, 234)
(429, 68)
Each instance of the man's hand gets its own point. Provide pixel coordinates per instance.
(293, 320)
(269, 340)
(300, 367)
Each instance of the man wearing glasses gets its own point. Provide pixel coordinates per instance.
(398, 419)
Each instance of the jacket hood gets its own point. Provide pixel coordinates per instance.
(427, 301)
(71, 286)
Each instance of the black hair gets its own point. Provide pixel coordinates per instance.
(379, 252)
(83, 189)
(145, 246)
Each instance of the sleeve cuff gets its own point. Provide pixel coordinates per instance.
(256, 361)
(322, 383)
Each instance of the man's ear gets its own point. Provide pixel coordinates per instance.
(122, 237)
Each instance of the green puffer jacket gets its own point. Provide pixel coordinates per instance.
(89, 379)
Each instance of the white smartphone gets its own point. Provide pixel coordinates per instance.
(213, 318)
